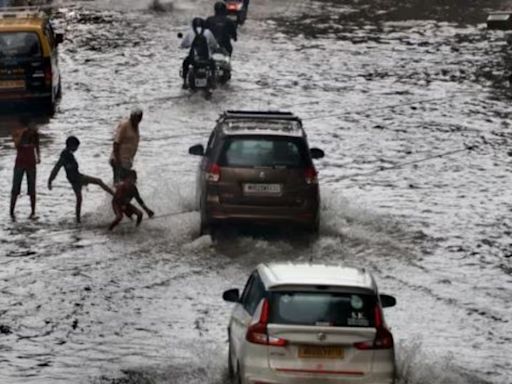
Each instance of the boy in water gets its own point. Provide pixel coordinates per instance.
(75, 178)
(125, 192)
(26, 140)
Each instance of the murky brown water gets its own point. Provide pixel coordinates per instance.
(378, 85)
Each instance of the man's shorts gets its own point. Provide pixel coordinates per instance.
(18, 178)
(119, 172)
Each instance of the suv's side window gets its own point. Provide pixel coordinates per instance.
(210, 144)
(253, 293)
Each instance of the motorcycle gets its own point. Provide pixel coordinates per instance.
(222, 66)
(200, 77)
(236, 11)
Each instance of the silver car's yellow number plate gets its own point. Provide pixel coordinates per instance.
(320, 352)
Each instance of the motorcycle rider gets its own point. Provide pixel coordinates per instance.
(222, 27)
(202, 44)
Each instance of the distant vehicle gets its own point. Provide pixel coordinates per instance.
(309, 324)
(237, 11)
(500, 20)
(29, 69)
(257, 168)
(222, 66)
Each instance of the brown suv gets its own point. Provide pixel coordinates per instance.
(258, 168)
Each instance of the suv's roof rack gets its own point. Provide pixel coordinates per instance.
(260, 122)
(267, 115)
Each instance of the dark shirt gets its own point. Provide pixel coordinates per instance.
(125, 192)
(68, 161)
(223, 28)
(26, 150)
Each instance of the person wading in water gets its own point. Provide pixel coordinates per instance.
(75, 178)
(26, 140)
(126, 143)
(125, 192)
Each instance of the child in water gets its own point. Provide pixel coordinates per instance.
(75, 178)
(125, 192)
(26, 140)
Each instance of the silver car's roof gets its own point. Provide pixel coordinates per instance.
(274, 275)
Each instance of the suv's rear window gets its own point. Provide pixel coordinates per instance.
(19, 45)
(322, 309)
(275, 151)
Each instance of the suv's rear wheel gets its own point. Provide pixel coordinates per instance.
(207, 228)
(314, 228)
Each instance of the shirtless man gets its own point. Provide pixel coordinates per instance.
(126, 143)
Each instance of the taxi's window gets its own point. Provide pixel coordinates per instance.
(322, 309)
(19, 46)
(50, 35)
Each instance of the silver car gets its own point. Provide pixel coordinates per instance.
(305, 323)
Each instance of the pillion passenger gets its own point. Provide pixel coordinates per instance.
(202, 44)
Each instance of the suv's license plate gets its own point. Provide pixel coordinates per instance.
(12, 84)
(262, 188)
(320, 352)
(201, 82)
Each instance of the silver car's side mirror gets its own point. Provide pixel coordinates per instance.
(387, 301)
(231, 295)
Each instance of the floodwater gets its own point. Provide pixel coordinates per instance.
(378, 86)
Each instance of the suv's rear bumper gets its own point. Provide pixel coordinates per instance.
(305, 215)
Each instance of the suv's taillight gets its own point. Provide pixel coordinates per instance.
(257, 332)
(213, 172)
(311, 175)
(383, 338)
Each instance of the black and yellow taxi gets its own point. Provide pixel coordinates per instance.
(29, 70)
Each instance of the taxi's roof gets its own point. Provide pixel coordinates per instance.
(21, 21)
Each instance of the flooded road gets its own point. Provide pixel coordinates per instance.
(385, 91)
